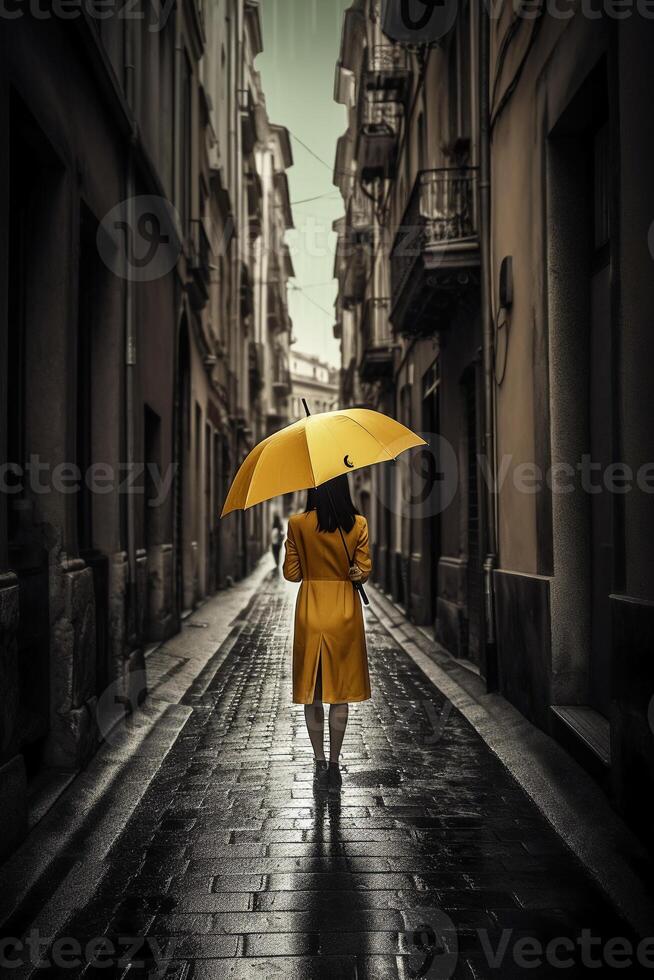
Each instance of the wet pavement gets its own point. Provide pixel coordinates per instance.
(431, 863)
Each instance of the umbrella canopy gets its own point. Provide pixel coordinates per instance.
(314, 450)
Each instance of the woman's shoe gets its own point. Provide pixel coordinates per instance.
(335, 780)
(320, 773)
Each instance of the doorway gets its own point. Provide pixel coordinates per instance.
(431, 503)
(34, 178)
(474, 578)
(583, 406)
(183, 529)
(601, 423)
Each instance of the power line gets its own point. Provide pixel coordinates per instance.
(305, 200)
(298, 289)
(313, 154)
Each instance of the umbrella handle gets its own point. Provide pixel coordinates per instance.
(362, 592)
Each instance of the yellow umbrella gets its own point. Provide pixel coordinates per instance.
(314, 450)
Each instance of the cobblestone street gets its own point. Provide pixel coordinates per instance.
(433, 862)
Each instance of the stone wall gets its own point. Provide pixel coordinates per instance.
(12, 769)
(72, 738)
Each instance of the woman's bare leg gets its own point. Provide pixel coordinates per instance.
(314, 716)
(338, 715)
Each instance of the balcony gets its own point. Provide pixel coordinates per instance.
(360, 213)
(355, 276)
(379, 136)
(248, 119)
(281, 381)
(387, 70)
(353, 252)
(377, 353)
(199, 265)
(254, 191)
(435, 254)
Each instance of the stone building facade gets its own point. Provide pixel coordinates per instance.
(494, 281)
(313, 379)
(130, 209)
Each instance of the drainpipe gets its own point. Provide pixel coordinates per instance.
(130, 351)
(238, 355)
(490, 561)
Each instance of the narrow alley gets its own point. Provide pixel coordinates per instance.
(348, 300)
(433, 862)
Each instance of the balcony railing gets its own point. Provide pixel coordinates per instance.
(388, 57)
(377, 352)
(376, 329)
(382, 113)
(379, 133)
(359, 213)
(436, 245)
(281, 375)
(446, 204)
(353, 256)
(388, 69)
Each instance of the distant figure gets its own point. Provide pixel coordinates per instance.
(276, 538)
(330, 660)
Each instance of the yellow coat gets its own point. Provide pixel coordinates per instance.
(328, 616)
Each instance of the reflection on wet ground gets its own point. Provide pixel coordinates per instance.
(431, 863)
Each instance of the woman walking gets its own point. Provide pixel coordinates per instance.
(276, 539)
(330, 661)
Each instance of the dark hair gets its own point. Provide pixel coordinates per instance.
(277, 522)
(333, 505)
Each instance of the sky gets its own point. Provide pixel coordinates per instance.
(301, 41)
